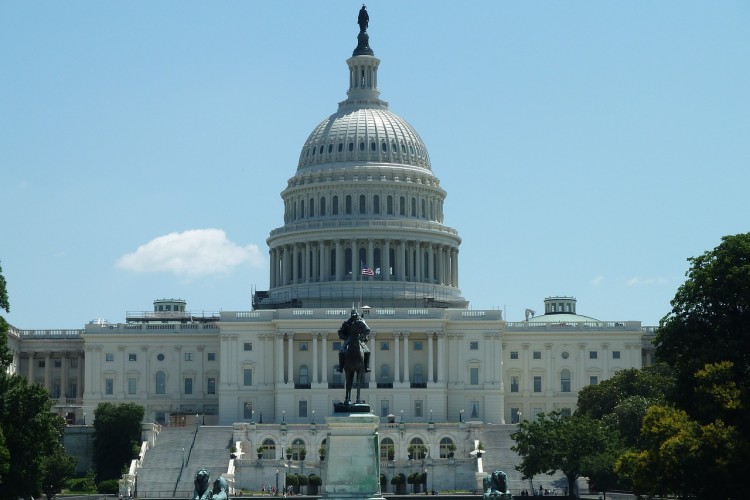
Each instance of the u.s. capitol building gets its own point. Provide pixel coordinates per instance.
(364, 195)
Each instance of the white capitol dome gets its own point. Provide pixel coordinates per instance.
(363, 134)
(363, 196)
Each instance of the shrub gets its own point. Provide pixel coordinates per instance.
(109, 486)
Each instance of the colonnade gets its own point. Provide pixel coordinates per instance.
(398, 260)
(438, 367)
(69, 361)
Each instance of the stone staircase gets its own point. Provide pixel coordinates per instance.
(498, 455)
(161, 466)
(211, 452)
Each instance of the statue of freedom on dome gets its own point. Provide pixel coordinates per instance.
(363, 19)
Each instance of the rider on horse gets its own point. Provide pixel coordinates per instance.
(347, 333)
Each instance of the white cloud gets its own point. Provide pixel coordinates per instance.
(191, 254)
(646, 281)
(598, 280)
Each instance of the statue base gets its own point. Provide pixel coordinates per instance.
(355, 408)
(351, 470)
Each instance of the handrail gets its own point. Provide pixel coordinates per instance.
(184, 462)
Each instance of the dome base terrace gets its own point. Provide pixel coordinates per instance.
(370, 293)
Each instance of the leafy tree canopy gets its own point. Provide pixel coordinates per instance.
(555, 442)
(57, 468)
(31, 432)
(710, 320)
(117, 434)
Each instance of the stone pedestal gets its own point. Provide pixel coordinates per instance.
(352, 465)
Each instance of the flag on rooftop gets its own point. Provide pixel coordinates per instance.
(366, 271)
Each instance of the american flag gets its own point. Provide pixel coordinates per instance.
(366, 271)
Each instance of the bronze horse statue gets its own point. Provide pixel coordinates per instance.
(354, 359)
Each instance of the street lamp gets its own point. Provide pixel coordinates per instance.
(183, 457)
(461, 416)
(84, 418)
(277, 481)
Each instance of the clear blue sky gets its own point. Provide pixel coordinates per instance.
(588, 148)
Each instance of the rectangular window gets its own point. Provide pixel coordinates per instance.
(132, 385)
(615, 354)
(109, 356)
(336, 345)
(109, 386)
(247, 376)
(474, 375)
(565, 412)
(303, 346)
(74, 362)
(385, 408)
(211, 385)
(537, 383)
(188, 356)
(211, 356)
(593, 380)
(593, 354)
(474, 345)
(513, 354)
(248, 346)
(58, 363)
(417, 345)
(514, 383)
(132, 356)
(188, 385)
(537, 355)
(418, 408)
(302, 412)
(384, 346)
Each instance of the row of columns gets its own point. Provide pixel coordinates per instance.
(436, 366)
(323, 261)
(66, 358)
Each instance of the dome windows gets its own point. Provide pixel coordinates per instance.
(330, 148)
(341, 146)
(351, 147)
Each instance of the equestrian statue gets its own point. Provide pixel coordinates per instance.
(354, 356)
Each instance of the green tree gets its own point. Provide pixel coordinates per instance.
(117, 434)
(710, 321)
(57, 468)
(556, 442)
(706, 339)
(28, 431)
(31, 433)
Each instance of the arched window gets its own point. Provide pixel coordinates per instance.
(389, 205)
(424, 209)
(417, 449)
(387, 450)
(348, 203)
(303, 375)
(311, 208)
(401, 206)
(565, 380)
(297, 449)
(268, 449)
(322, 207)
(161, 382)
(376, 204)
(335, 205)
(362, 204)
(301, 209)
(413, 207)
(447, 447)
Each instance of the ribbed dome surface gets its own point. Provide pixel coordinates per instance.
(363, 135)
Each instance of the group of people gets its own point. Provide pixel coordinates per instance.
(540, 493)
(272, 491)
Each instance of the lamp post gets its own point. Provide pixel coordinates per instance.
(84, 418)
(183, 457)
(461, 416)
(277, 482)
